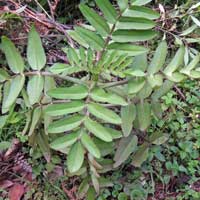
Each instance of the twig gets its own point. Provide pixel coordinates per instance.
(113, 84)
(179, 92)
(43, 9)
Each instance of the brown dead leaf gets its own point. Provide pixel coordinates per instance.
(16, 192)
(5, 184)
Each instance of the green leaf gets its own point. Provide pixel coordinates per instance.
(95, 182)
(35, 119)
(135, 85)
(143, 115)
(91, 194)
(95, 20)
(58, 68)
(49, 83)
(167, 85)
(140, 62)
(128, 23)
(196, 21)
(145, 92)
(123, 4)
(42, 141)
(75, 36)
(6, 89)
(176, 77)
(67, 124)
(34, 88)
(105, 148)
(155, 80)
(64, 141)
(157, 109)
(73, 92)
(64, 108)
(128, 114)
(16, 86)
(133, 36)
(158, 59)
(134, 72)
(98, 130)
(141, 155)
(82, 54)
(66, 69)
(195, 74)
(161, 139)
(95, 41)
(4, 76)
(103, 113)
(83, 188)
(189, 30)
(186, 70)
(75, 158)
(13, 57)
(3, 120)
(176, 62)
(128, 49)
(114, 133)
(140, 2)
(98, 94)
(141, 11)
(108, 10)
(126, 146)
(90, 145)
(35, 52)
(73, 57)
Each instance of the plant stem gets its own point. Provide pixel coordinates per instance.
(113, 84)
(67, 78)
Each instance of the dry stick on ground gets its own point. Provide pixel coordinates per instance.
(182, 96)
(47, 22)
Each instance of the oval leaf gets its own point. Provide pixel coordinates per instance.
(15, 88)
(98, 130)
(13, 57)
(95, 20)
(73, 92)
(104, 113)
(143, 115)
(67, 124)
(126, 48)
(129, 23)
(141, 11)
(75, 157)
(35, 52)
(133, 36)
(158, 59)
(126, 146)
(108, 10)
(128, 114)
(90, 145)
(64, 108)
(64, 141)
(98, 94)
(34, 88)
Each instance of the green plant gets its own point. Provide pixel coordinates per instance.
(114, 100)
